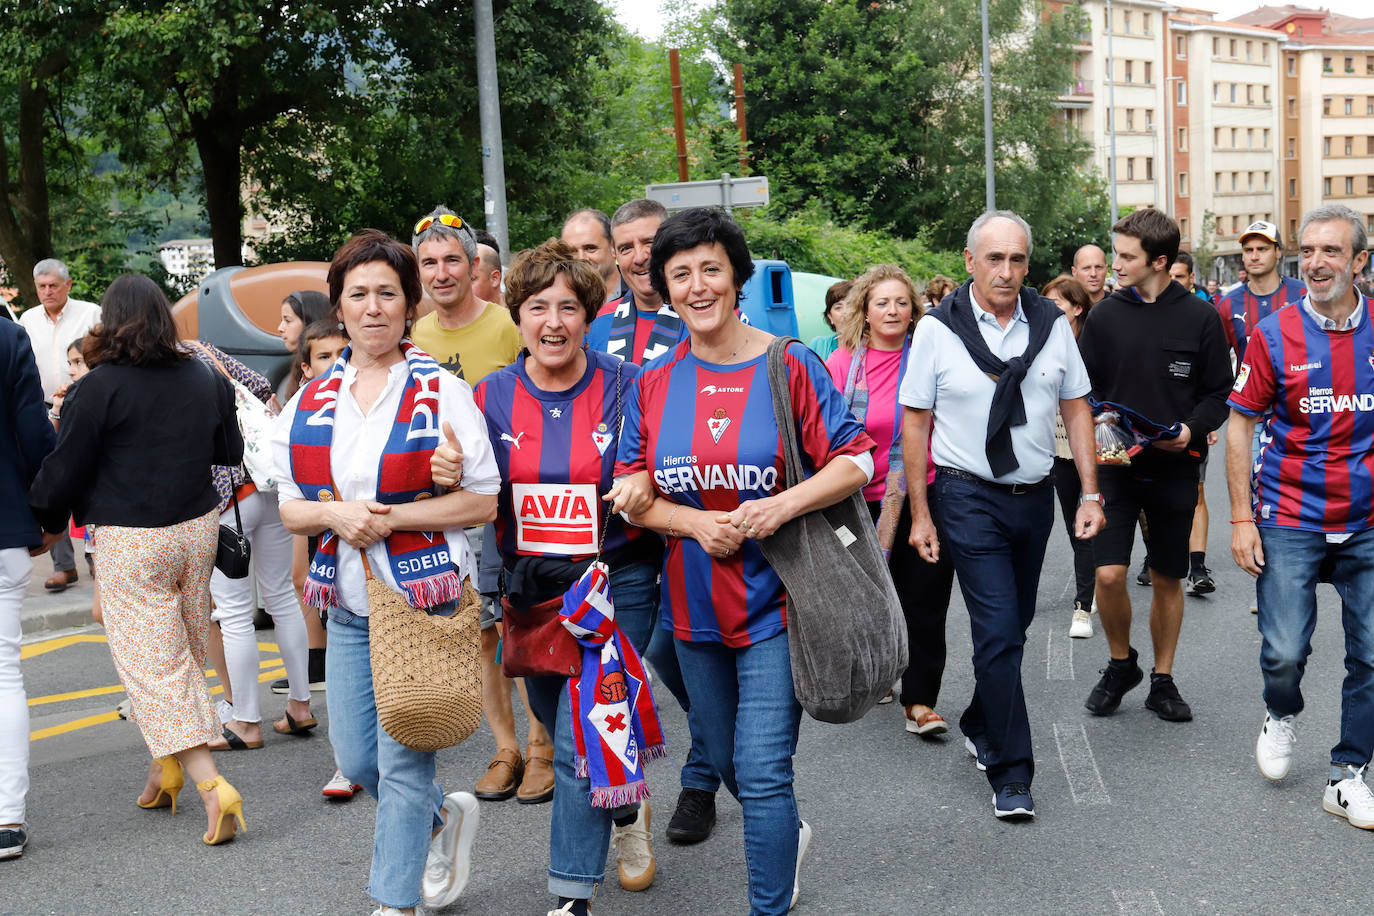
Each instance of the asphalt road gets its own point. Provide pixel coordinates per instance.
(1136, 815)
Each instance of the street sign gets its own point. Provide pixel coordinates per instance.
(725, 192)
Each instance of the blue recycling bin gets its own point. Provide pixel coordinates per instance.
(767, 299)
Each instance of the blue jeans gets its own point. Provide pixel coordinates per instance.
(997, 542)
(401, 779)
(697, 772)
(1287, 591)
(579, 834)
(748, 714)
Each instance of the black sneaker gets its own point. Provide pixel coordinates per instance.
(1165, 702)
(281, 686)
(1106, 696)
(694, 818)
(1143, 577)
(1200, 582)
(12, 841)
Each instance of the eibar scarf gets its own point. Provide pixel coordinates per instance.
(614, 720)
(1008, 407)
(420, 561)
(894, 485)
(665, 334)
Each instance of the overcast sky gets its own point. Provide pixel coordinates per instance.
(643, 15)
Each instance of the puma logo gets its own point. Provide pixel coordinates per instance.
(514, 440)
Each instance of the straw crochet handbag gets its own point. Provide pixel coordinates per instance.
(426, 669)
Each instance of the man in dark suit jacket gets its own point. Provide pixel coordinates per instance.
(26, 437)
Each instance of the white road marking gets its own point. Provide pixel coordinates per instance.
(1080, 767)
(1134, 903)
(1059, 655)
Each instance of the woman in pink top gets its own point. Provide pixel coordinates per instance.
(874, 341)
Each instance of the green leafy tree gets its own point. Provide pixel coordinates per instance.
(875, 109)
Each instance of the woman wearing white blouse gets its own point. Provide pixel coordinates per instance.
(352, 453)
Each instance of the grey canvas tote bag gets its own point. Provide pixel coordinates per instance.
(846, 631)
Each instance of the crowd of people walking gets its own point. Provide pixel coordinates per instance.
(565, 476)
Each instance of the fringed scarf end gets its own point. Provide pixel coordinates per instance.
(608, 797)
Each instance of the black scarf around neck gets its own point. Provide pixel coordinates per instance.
(1008, 406)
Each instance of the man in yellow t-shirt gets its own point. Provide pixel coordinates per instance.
(467, 336)
(473, 338)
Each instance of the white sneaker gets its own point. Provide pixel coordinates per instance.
(633, 854)
(339, 787)
(224, 711)
(393, 911)
(450, 852)
(1082, 626)
(1274, 748)
(567, 909)
(803, 841)
(1350, 797)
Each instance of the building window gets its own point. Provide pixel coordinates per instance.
(1326, 65)
(1233, 93)
(1292, 147)
(1292, 228)
(1149, 72)
(1292, 65)
(1145, 22)
(1182, 184)
(1349, 186)
(1181, 94)
(1218, 183)
(1250, 182)
(1326, 146)
(1126, 64)
(1183, 227)
(1292, 187)
(1349, 145)
(1266, 93)
(1234, 143)
(1369, 184)
(1292, 107)
(1233, 47)
(1149, 119)
(1249, 94)
(1369, 65)
(1326, 187)
(1220, 228)
(1349, 106)
(1249, 138)
(1264, 52)
(1369, 104)
(1350, 65)
(1369, 146)
(1181, 46)
(1130, 119)
(1249, 49)
(1326, 105)
(1266, 138)
(1130, 168)
(1183, 139)
(1235, 182)
(1267, 181)
(1235, 225)
(1149, 168)
(1216, 47)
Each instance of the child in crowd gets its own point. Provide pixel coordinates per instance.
(320, 344)
(76, 368)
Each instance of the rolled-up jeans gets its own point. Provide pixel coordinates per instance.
(401, 779)
(15, 570)
(747, 711)
(579, 835)
(1287, 591)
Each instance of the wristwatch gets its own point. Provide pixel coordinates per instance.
(1092, 498)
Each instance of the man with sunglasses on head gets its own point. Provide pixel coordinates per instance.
(473, 338)
(468, 336)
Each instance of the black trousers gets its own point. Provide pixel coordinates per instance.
(1069, 488)
(924, 589)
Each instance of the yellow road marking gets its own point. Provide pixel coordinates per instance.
(76, 695)
(51, 645)
(65, 727)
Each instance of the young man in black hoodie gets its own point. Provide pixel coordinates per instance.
(1155, 348)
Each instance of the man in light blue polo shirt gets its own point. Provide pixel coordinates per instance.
(988, 371)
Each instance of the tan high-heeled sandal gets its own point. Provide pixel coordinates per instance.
(230, 809)
(173, 778)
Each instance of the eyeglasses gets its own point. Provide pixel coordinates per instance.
(443, 219)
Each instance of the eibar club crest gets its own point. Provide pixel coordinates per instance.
(601, 437)
(718, 423)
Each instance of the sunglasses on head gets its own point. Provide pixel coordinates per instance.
(443, 219)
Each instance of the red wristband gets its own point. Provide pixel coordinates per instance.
(1242, 521)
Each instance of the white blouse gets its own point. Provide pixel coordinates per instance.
(355, 457)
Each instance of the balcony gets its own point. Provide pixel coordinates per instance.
(1078, 87)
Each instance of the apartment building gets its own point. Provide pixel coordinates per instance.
(1221, 123)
